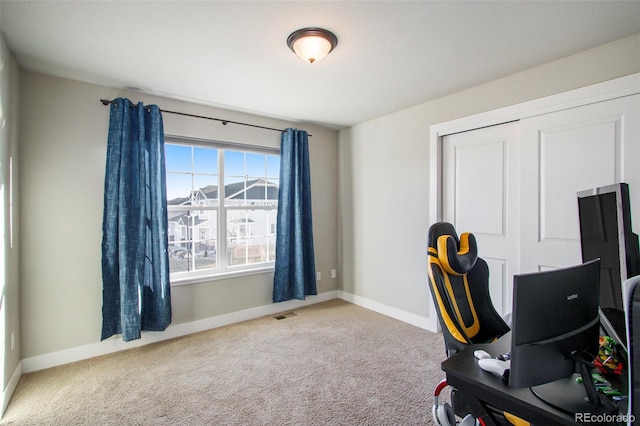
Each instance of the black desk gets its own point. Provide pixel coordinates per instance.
(481, 387)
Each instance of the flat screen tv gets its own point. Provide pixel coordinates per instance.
(605, 233)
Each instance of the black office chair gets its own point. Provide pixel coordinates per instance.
(459, 284)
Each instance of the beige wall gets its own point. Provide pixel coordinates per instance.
(9, 75)
(384, 169)
(63, 146)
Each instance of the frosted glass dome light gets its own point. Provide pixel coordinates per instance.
(312, 44)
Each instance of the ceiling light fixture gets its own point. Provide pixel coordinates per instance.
(312, 44)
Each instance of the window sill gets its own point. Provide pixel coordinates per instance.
(221, 276)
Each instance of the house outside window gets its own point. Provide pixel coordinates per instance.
(222, 208)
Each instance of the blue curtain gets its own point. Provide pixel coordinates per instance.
(135, 264)
(295, 270)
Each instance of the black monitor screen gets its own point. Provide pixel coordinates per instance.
(555, 314)
(606, 233)
(599, 239)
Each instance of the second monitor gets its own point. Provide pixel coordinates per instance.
(555, 333)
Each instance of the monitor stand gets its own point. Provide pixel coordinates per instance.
(572, 397)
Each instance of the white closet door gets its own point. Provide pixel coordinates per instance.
(565, 152)
(480, 195)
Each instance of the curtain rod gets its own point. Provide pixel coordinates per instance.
(106, 102)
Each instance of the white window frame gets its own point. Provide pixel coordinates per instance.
(223, 269)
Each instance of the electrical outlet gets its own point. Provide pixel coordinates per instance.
(318, 276)
(333, 273)
(13, 340)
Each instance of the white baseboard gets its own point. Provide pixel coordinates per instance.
(404, 316)
(116, 344)
(7, 392)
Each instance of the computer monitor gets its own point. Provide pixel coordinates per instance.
(555, 333)
(606, 233)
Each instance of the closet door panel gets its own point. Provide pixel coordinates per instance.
(479, 197)
(478, 194)
(579, 157)
(563, 153)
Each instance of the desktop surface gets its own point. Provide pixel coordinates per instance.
(481, 387)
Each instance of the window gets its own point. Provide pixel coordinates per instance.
(222, 208)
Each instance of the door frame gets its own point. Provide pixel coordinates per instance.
(612, 89)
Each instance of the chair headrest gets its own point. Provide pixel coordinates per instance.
(456, 255)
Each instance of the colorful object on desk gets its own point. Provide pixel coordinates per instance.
(607, 360)
(602, 385)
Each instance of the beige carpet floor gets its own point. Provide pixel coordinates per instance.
(333, 363)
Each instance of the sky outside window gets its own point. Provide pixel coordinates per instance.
(197, 167)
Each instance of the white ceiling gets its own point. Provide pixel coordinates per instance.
(233, 54)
